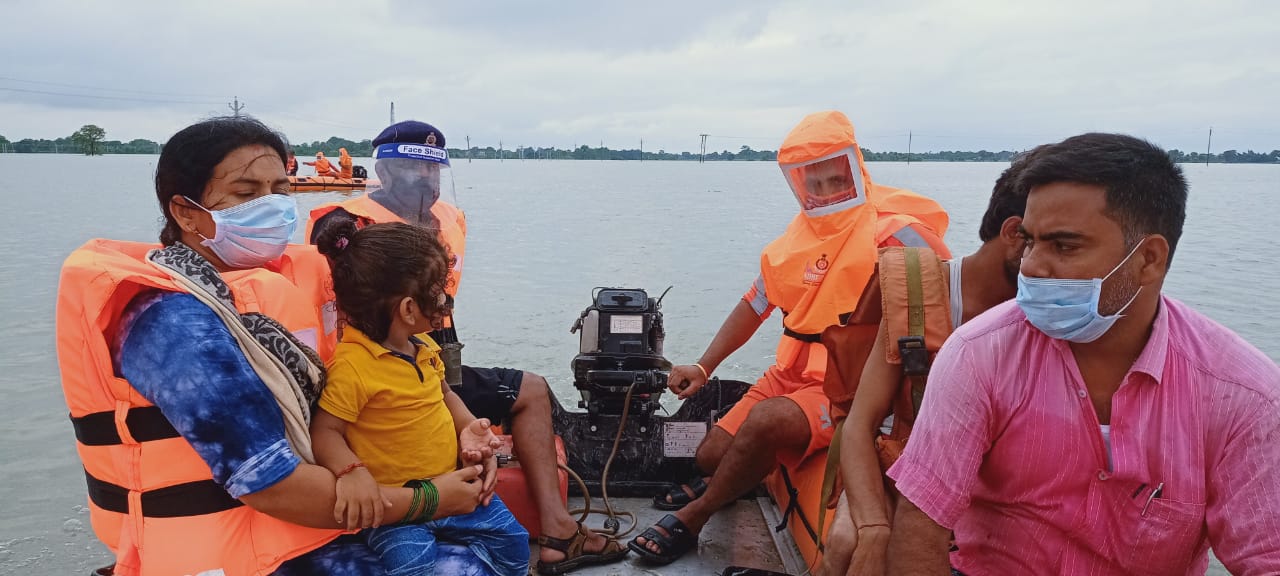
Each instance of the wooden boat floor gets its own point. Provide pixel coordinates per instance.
(739, 535)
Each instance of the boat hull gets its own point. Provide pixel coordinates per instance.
(327, 184)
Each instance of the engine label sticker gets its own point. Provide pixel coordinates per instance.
(626, 324)
(681, 439)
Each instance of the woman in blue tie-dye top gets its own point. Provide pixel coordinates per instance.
(222, 186)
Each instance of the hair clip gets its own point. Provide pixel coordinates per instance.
(342, 243)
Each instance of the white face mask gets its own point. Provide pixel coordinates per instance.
(1067, 309)
(251, 234)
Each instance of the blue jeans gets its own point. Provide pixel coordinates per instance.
(490, 532)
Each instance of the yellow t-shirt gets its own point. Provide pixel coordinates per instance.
(397, 421)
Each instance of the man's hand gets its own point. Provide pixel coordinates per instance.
(685, 380)
(872, 552)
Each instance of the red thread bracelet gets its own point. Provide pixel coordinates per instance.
(350, 467)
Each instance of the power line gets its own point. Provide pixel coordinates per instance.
(99, 97)
(103, 89)
(277, 112)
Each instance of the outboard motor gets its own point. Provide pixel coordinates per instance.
(620, 353)
(621, 374)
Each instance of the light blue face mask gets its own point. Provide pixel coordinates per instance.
(1067, 309)
(251, 234)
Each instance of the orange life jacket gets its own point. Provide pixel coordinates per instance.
(815, 272)
(344, 164)
(912, 296)
(152, 499)
(453, 226)
(323, 166)
(916, 290)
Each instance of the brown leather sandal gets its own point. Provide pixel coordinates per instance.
(574, 554)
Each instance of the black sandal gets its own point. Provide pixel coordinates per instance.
(675, 543)
(575, 554)
(745, 571)
(679, 498)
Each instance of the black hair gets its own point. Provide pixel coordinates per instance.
(376, 266)
(187, 160)
(1146, 192)
(1007, 199)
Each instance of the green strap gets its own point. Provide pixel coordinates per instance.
(915, 318)
(829, 482)
(915, 293)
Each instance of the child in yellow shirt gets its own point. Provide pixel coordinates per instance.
(386, 416)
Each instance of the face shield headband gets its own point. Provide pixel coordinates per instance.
(412, 151)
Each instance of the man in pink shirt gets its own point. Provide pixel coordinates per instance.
(1093, 425)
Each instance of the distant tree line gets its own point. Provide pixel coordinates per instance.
(88, 140)
(1228, 157)
(84, 142)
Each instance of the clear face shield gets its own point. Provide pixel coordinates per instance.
(827, 185)
(412, 178)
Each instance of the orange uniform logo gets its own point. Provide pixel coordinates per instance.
(815, 272)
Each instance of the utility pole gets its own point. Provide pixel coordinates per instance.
(602, 153)
(702, 155)
(468, 148)
(393, 112)
(642, 149)
(500, 158)
(908, 147)
(1208, 147)
(236, 107)
(521, 149)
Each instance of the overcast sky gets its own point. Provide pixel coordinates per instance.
(969, 74)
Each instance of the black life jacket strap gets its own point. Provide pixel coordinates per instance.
(145, 424)
(189, 499)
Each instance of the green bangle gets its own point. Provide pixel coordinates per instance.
(432, 500)
(413, 504)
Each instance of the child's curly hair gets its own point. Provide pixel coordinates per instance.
(374, 267)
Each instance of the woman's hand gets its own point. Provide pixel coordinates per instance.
(360, 503)
(872, 552)
(460, 491)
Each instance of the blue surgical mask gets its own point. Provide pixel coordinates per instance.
(251, 234)
(1067, 309)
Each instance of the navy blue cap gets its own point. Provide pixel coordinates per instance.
(410, 132)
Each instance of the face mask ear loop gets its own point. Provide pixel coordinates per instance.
(1120, 313)
(197, 205)
(1132, 251)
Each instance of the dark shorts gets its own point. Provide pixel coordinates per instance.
(490, 392)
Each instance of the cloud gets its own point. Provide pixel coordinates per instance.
(958, 75)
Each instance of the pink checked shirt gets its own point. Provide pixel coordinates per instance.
(1007, 453)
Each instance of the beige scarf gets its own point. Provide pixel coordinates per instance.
(291, 370)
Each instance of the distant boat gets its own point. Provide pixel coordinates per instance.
(329, 184)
